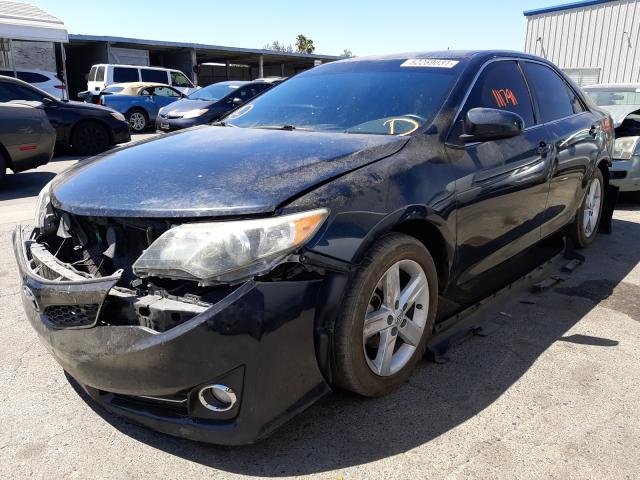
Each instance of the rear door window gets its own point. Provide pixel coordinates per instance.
(554, 97)
(92, 74)
(125, 75)
(154, 76)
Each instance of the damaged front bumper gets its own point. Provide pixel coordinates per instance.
(258, 340)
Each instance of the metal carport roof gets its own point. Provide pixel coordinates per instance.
(24, 21)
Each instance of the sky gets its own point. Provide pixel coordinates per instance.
(365, 27)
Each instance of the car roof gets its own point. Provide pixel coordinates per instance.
(449, 55)
(148, 67)
(612, 85)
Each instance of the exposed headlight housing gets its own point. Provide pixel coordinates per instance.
(194, 113)
(626, 147)
(43, 207)
(118, 116)
(227, 252)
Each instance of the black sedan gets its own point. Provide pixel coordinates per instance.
(27, 138)
(87, 128)
(210, 103)
(241, 271)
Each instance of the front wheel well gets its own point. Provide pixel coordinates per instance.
(603, 165)
(433, 240)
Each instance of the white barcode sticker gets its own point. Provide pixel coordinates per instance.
(429, 62)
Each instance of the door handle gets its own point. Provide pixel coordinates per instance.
(543, 148)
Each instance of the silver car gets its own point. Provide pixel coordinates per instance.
(622, 101)
(27, 139)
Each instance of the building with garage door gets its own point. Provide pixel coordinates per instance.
(593, 41)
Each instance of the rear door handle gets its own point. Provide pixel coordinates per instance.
(543, 148)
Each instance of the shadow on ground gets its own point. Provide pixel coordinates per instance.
(23, 185)
(344, 430)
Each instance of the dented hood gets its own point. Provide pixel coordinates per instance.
(619, 112)
(212, 171)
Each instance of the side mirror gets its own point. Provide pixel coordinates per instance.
(483, 124)
(47, 101)
(237, 101)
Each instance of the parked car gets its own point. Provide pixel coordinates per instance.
(622, 101)
(88, 129)
(103, 75)
(210, 103)
(241, 271)
(46, 81)
(139, 102)
(27, 138)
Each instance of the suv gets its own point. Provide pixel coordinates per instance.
(103, 75)
(47, 81)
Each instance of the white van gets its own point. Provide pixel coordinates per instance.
(103, 75)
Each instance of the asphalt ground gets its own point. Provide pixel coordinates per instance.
(552, 392)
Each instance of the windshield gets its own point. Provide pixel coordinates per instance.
(214, 92)
(614, 96)
(366, 96)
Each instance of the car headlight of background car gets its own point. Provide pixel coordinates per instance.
(118, 116)
(194, 113)
(227, 252)
(626, 147)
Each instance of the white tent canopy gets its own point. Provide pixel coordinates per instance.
(23, 21)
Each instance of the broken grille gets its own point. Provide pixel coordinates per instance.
(68, 316)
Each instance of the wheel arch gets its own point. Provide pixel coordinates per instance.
(81, 121)
(5, 154)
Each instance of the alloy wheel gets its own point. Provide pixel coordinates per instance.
(396, 317)
(592, 207)
(137, 121)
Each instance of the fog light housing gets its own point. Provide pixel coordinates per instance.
(217, 397)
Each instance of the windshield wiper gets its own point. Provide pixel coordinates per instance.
(278, 127)
(219, 123)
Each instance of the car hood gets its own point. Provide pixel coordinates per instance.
(179, 107)
(213, 171)
(85, 106)
(619, 112)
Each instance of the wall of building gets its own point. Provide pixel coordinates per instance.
(34, 55)
(598, 41)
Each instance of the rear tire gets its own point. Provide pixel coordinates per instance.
(90, 138)
(379, 311)
(138, 120)
(584, 228)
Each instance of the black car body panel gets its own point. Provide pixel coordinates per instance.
(27, 138)
(66, 115)
(151, 344)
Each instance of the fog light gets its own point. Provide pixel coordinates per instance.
(217, 398)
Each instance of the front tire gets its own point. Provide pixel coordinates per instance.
(584, 228)
(386, 318)
(90, 138)
(3, 167)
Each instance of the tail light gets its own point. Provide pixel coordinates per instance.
(59, 87)
(99, 102)
(607, 125)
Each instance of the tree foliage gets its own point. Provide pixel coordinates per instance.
(346, 53)
(279, 47)
(304, 44)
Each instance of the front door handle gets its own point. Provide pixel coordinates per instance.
(543, 148)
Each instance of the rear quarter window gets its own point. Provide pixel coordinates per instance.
(31, 77)
(125, 75)
(100, 74)
(92, 74)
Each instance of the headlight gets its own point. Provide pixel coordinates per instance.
(227, 252)
(43, 207)
(625, 148)
(194, 113)
(118, 116)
